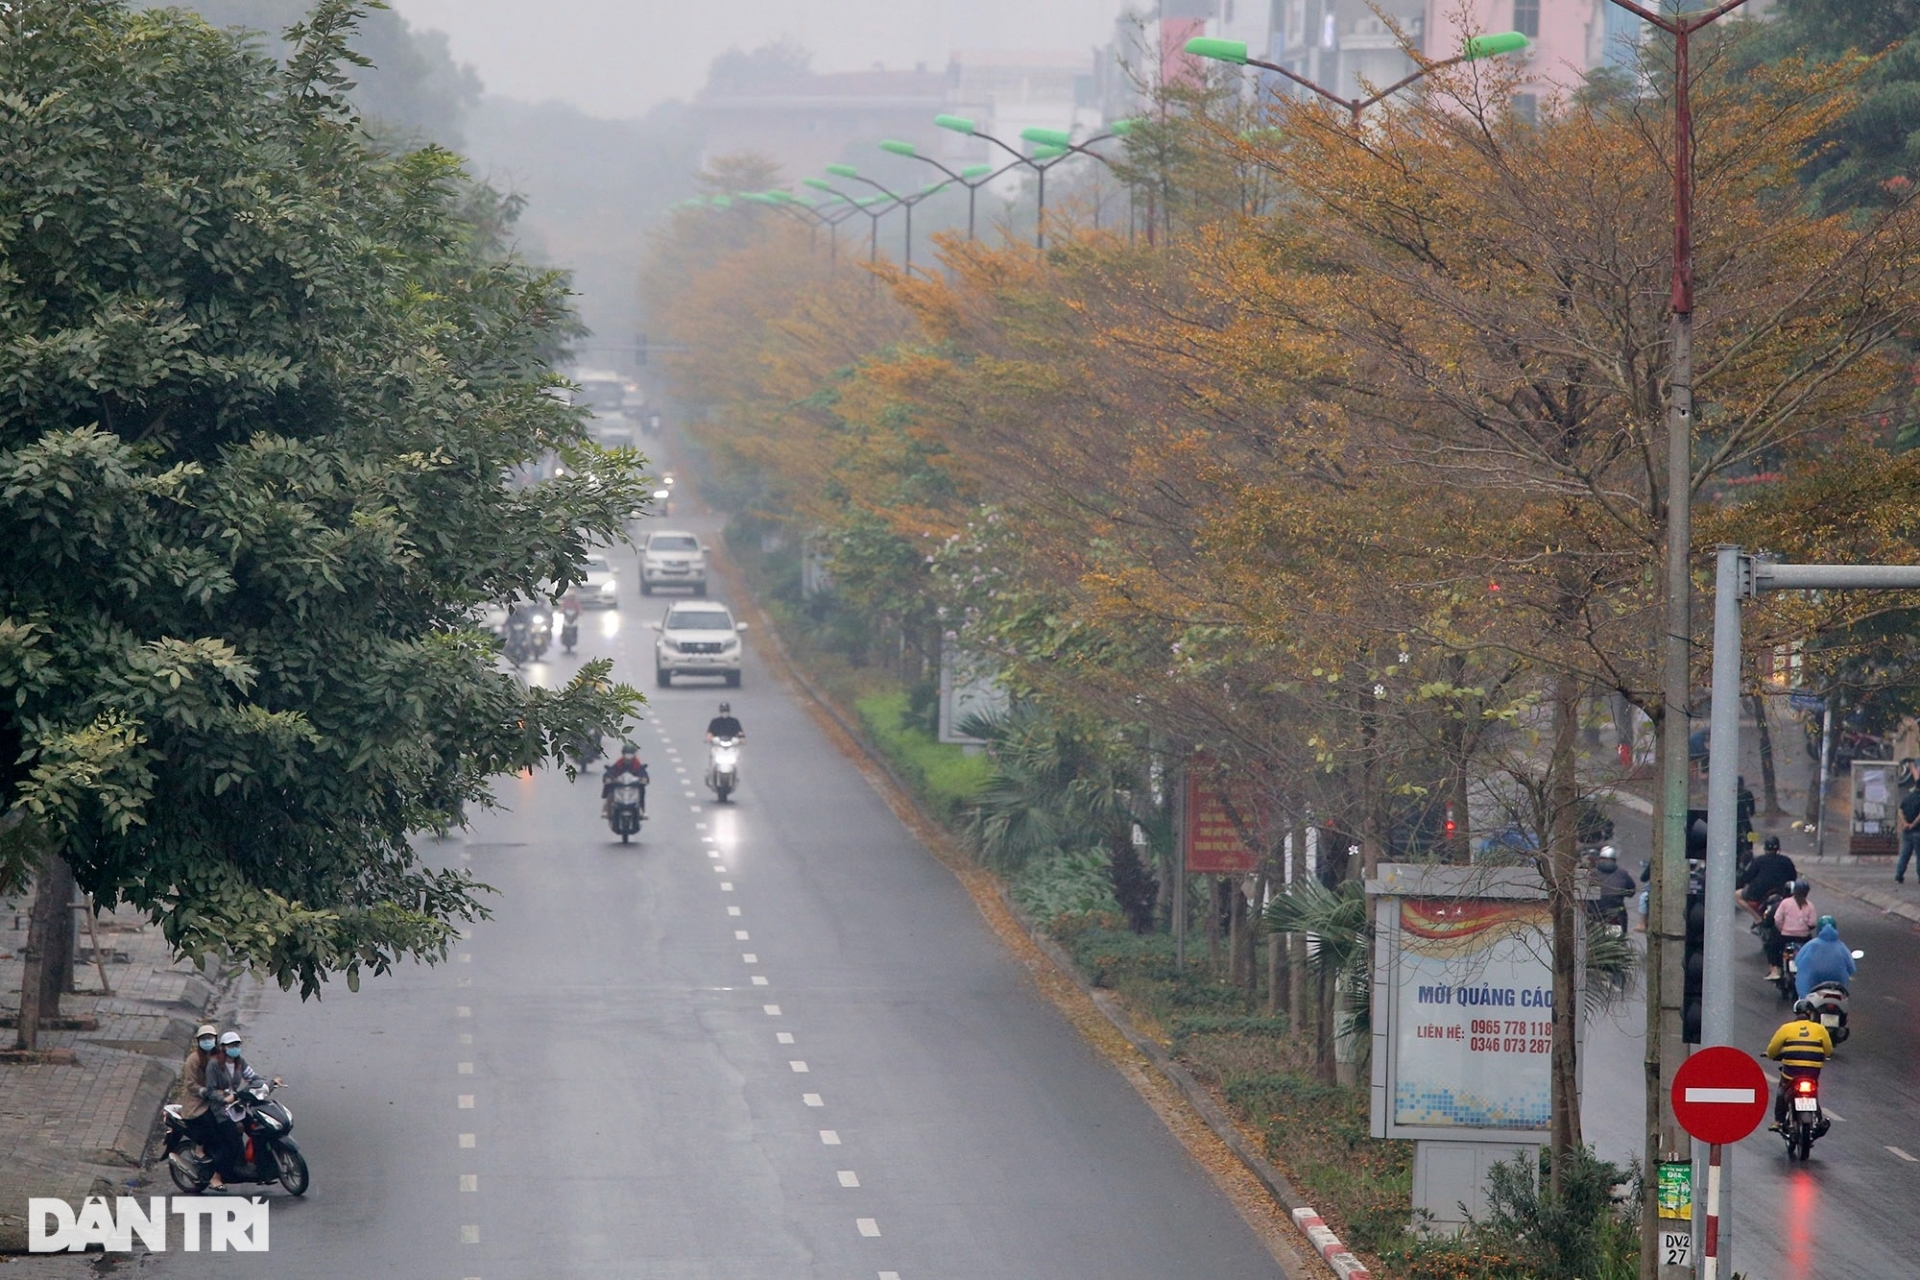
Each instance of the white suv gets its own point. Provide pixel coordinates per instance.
(697, 640)
(672, 558)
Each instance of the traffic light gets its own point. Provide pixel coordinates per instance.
(1695, 964)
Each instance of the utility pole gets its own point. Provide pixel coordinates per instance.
(1666, 1144)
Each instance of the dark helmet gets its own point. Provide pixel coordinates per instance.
(726, 708)
(1803, 1008)
(1826, 922)
(629, 749)
(1799, 887)
(1772, 844)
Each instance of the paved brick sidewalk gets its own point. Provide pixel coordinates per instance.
(71, 1131)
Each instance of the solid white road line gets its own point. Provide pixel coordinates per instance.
(868, 1227)
(848, 1178)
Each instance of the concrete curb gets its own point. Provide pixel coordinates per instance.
(1890, 903)
(1335, 1254)
(1338, 1256)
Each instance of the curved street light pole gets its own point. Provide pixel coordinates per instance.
(973, 177)
(905, 202)
(1476, 48)
(1667, 902)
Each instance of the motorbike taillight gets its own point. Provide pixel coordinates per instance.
(1804, 1086)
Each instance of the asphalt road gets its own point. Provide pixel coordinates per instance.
(1850, 1210)
(771, 1039)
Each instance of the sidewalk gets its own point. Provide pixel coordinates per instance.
(77, 1130)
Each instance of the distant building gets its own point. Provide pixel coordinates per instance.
(808, 120)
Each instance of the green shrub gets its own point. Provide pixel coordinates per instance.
(1065, 884)
(943, 775)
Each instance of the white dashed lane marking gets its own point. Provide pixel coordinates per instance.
(469, 1182)
(868, 1227)
(1904, 1156)
(462, 1011)
(759, 981)
(470, 1234)
(466, 1068)
(829, 1138)
(466, 1102)
(848, 1178)
(739, 935)
(771, 1010)
(733, 911)
(783, 1037)
(812, 1100)
(750, 957)
(799, 1068)
(467, 1141)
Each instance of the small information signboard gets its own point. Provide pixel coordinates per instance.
(1218, 824)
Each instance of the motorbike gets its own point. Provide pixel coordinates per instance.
(723, 767)
(623, 808)
(1805, 1121)
(528, 634)
(1830, 1009)
(269, 1153)
(1789, 969)
(570, 623)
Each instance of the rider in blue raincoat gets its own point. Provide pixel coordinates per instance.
(1823, 958)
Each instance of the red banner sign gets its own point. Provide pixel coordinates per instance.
(1215, 845)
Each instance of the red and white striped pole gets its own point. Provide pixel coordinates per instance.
(1710, 1255)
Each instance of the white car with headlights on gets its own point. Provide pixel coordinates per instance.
(672, 558)
(697, 639)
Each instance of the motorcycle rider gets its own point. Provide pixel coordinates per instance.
(629, 765)
(1765, 876)
(1793, 921)
(1801, 1047)
(1615, 887)
(195, 1114)
(725, 725)
(228, 1072)
(1823, 959)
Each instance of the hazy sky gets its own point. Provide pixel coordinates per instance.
(619, 57)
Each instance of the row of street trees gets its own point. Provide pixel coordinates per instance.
(1355, 475)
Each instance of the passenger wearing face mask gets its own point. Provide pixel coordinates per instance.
(201, 1124)
(227, 1074)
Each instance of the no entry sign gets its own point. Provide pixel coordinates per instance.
(1720, 1094)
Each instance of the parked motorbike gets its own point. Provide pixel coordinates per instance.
(1805, 1120)
(623, 808)
(723, 767)
(269, 1153)
(1830, 1009)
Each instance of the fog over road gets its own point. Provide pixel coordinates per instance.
(770, 1039)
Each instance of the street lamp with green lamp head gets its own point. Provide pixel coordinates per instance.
(905, 202)
(853, 206)
(972, 177)
(1475, 48)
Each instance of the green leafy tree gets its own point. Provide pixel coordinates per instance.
(268, 396)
